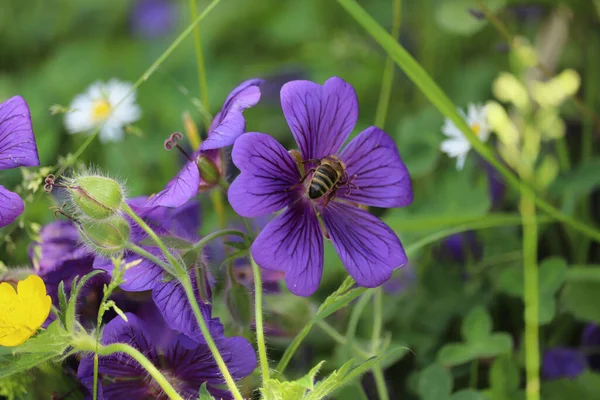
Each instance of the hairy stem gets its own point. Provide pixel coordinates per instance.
(339, 338)
(88, 344)
(377, 319)
(142, 252)
(189, 291)
(258, 316)
(214, 235)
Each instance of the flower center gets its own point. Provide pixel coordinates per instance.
(100, 110)
(476, 128)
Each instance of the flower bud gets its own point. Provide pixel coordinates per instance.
(106, 237)
(97, 197)
(209, 172)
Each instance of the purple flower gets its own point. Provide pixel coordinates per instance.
(186, 365)
(227, 126)
(17, 149)
(562, 363)
(461, 247)
(59, 256)
(591, 339)
(401, 280)
(153, 18)
(321, 119)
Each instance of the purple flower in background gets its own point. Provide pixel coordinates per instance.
(321, 119)
(562, 363)
(153, 18)
(461, 247)
(59, 256)
(186, 365)
(401, 280)
(17, 149)
(168, 294)
(591, 340)
(226, 127)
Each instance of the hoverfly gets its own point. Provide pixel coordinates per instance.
(328, 176)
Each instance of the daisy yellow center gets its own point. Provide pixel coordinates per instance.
(100, 110)
(476, 128)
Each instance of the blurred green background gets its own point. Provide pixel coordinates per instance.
(52, 50)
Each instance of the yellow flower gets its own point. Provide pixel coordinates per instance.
(22, 312)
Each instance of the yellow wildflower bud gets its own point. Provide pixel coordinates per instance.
(509, 89)
(23, 311)
(547, 172)
(549, 123)
(554, 92)
(502, 124)
(526, 54)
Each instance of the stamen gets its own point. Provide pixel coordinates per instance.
(172, 142)
(50, 182)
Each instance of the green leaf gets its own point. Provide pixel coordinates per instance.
(54, 339)
(460, 353)
(477, 325)
(454, 16)
(62, 302)
(333, 304)
(22, 362)
(239, 303)
(581, 299)
(204, 394)
(346, 374)
(468, 394)
(504, 378)
(583, 274)
(76, 287)
(274, 390)
(456, 354)
(435, 383)
(497, 344)
(585, 386)
(552, 274)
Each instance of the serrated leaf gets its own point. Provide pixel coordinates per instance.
(76, 287)
(275, 390)
(62, 302)
(477, 325)
(22, 362)
(435, 383)
(204, 394)
(54, 339)
(308, 380)
(333, 304)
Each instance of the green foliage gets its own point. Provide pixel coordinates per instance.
(76, 287)
(454, 15)
(479, 341)
(294, 390)
(581, 299)
(435, 383)
(585, 386)
(204, 394)
(504, 380)
(552, 274)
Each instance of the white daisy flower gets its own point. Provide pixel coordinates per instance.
(97, 107)
(457, 146)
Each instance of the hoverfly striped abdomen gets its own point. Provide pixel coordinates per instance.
(326, 177)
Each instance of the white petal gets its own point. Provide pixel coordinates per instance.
(460, 161)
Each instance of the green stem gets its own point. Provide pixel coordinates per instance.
(180, 272)
(339, 338)
(95, 392)
(380, 383)
(200, 62)
(140, 251)
(199, 245)
(356, 313)
(562, 152)
(176, 268)
(377, 319)
(258, 316)
(439, 99)
(388, 71)
(531, 281)
(474, 377)
(189, 291)
(88, 344)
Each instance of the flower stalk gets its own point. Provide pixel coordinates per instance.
(89, 344)
(180, 272)
(258, 316)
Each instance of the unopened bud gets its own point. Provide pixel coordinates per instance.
(97, 197)
(106, 237)
(209, 172)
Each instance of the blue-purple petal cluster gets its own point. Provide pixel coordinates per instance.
(17, 149)
(321, 118)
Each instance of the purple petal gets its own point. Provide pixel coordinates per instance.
(238, 354)
(369, 249)
(153, 18)
(180, 189)
(562, 363)
(140, 277)
(268, 173)
(292, 243)
(17, 143)
(229, 123)
(11, 206)
(381, 176)
(182, 221)
(173, 304)
(320, 117)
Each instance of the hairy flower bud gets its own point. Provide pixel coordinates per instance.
(106, 237)
(209, 172)
(97, 197)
